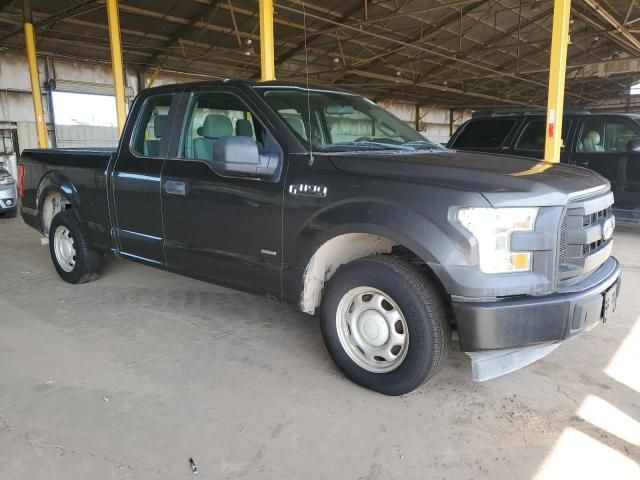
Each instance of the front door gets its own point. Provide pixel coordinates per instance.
(220, 228)
(136, 182)
(603, 145)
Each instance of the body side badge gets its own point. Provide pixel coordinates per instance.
(304, 189)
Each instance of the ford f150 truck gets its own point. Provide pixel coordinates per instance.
(319, 198)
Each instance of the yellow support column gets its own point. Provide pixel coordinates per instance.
(116, 61)
(267, 57)
(30, 41)
(557, 71)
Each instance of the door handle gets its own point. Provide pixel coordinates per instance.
(175, 187)
(584, 163)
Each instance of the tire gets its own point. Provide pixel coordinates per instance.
(400, 293)
(74, 261)
(13, 213)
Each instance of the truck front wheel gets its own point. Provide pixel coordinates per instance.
(74, 261)
(385, 325)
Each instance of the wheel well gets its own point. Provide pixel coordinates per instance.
(344, 249)
(53, 203)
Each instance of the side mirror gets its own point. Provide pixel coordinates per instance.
(240, 156)
(634, 145)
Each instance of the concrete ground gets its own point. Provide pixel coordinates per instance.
(130, 376)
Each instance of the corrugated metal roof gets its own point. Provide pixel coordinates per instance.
(459, 53)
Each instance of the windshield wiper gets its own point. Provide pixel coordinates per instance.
(432, 147)
(370, 144)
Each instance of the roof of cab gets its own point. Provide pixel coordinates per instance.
(530, 112)
(178, 87)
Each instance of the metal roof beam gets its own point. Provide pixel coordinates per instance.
(494, 39)
(449, 19)
(604, 14)
(300, 45)
(203, 11)
(392, 80)
(5, 3)
(60, 15)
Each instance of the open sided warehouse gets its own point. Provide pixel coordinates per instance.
(369, 239)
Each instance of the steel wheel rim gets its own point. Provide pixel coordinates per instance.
(372, 329)
(64, 248)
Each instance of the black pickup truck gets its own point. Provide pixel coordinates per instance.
(319, 198)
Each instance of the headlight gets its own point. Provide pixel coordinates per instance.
(492, 228)
(6, 179)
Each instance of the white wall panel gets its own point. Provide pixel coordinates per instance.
(76, 136)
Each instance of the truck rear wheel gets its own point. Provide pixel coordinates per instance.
(74, 261)
(385, 325)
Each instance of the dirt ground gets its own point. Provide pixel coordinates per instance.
(132, 375)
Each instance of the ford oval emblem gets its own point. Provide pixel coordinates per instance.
(607, 229)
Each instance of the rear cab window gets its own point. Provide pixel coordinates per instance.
(485, 134)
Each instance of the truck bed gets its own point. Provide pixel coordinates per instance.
(82, 172)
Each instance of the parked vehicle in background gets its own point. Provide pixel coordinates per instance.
(608, 143)
(8, 195)
(320, 198)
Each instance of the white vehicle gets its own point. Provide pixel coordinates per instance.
(8, 195)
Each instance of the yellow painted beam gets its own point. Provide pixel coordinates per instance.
(30, 43)
(557, 72)
(267, 56)
(116, 61)
(154, 75)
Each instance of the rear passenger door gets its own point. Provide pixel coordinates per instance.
(221, 228)
(136, 181)
(603, 145)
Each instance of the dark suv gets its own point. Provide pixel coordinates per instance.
(608, 143)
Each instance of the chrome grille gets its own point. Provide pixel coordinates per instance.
(591, 247)
(563, 241)
(582, 247)
(594, 217)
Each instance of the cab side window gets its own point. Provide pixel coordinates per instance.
(605, 136)
(152, 126)
(215, 116)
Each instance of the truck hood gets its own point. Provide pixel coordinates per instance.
(504, 180)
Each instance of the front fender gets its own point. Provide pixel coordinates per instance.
(434, 240)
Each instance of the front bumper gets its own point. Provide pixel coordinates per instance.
(525, 321)
(8, 200)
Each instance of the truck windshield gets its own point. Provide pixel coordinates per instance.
(341, 122)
